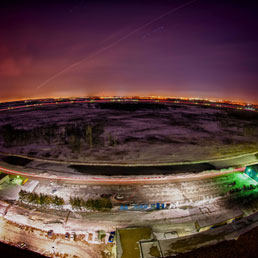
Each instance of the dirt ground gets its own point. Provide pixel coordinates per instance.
(245, 247)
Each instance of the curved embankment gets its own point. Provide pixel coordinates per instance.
(82, 179)
(121, 174)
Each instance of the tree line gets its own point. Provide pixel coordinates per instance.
(42, 199)
(99, 204)
(91, 204)
(73, 135)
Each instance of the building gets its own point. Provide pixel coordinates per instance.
(3, 178)
(252, 171)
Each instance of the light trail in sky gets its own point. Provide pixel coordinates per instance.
(66, 69)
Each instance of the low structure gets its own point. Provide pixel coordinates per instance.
(214, 219)
(150, 249)
(3, 178)
(129, 241)
(252, 171)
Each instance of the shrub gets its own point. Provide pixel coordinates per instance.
(42, 199)
(91, 204)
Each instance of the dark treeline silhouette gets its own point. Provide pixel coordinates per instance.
(131, 106)
(73, 135)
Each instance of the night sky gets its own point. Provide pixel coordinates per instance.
(202, 48)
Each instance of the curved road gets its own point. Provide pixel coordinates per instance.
(122, 180)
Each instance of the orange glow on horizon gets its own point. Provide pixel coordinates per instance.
(134, 96)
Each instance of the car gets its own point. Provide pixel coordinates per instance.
(153, 206)
(22, 245)
(167, 205)
(111, 237)
(50, 233)
(73, 236)
(119, 197)
(67, 236)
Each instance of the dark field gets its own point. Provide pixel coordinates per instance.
(16, 161)
(141, 170)
(117, 132)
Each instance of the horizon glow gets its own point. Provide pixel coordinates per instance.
(192, 49)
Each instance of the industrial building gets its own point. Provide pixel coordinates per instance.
(252, 171)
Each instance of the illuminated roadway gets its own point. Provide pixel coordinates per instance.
(127, 180)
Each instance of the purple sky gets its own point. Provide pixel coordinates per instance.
(78, 48)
